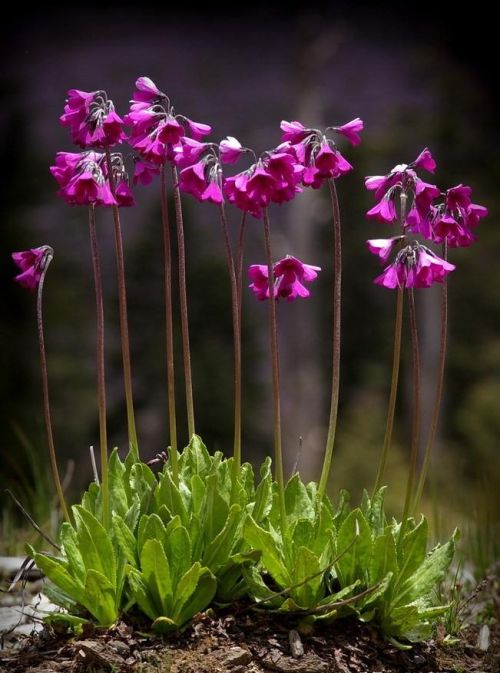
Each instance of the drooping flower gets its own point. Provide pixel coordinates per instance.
(230, 150)
(83, 179)
(415, 266)
(382, 247)
(32, 264)
(351, 130)
(258, 274)
(157, 131)
(289, 274)
(402, 184)
(92, 119)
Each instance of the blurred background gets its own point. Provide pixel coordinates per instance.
(416, 79)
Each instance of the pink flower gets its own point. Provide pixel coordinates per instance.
(32, 264)
(384, 211)
(295, 132)
(144, 173)
(230, 150)
(192, 180)
(289, 275)
(415, 266)
(92, 119)
(197, 130)
(83, 179)
(212, 193)
(425, 161)
(147, 91)
(124, 196)
(382, 247)
(351, 130)
(258, 274)
(170, 131)
(260, 186)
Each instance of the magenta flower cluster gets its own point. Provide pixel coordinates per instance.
(305, 157)
(289, 275)
(420, 208)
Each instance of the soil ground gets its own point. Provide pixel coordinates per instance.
(246, 642)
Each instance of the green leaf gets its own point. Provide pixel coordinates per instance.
(426, 577)
(195, 458)
(263, 493)
(218, 551)
(384, 557)
(272, 558)
(69, 546)
(91, 499)
(230, 582)
(306, 564)
(193, 596)
(94, 544)
(412, 551)
(354, 538)
(150, 527)
(141, 594)
(197, 494)
(157, 577)
(169, 495)
(258, 589)
(341, 512)
(217, 509)
(297, 501)
(57, 572)
(116, 476)
(69, 621)
(178, 549)
(125, 539)
(100, 598)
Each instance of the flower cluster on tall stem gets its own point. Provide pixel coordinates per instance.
(33, 265)
(99, 178)
(158, 135)
(448, 218)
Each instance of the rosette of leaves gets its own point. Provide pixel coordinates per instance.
(294, 571)
(212, 510)
(90, 574)
(394, 561)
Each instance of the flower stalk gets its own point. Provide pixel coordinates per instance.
(393, 392)
(169, 332)
(186, 352)
(431, 436)
(235, 310)
(101, 386)
(122, 304)
(273, 331)
(45, 383)
(415, 432)
(337, 307)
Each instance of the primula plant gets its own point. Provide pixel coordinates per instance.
(188, 529)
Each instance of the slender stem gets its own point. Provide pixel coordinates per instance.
(101, 385)
(45, 387)
(415, 433)
(122, 303)
(186, 352)
(239, 264)
(169, 332)
(273, 330)
(394, 390)
(438, 392)
(337, 298)
(237, 351)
